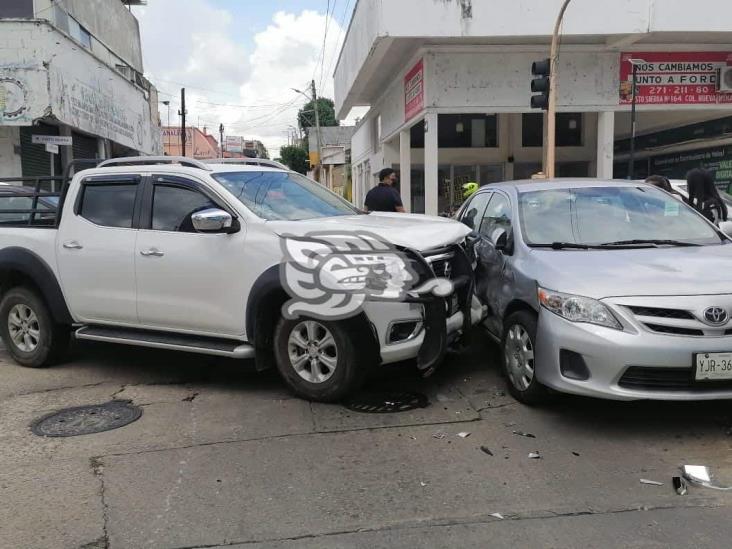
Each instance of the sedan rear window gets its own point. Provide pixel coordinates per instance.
(601, 215)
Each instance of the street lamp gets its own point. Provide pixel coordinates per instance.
(314, 99)
(167, 104)
(634, 89)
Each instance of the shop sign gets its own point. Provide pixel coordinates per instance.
(62, 140)
(414, 91)
(233, 144)
(675, 78)
(676, 165)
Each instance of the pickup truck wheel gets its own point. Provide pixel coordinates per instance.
(317, 359)
(519, 358)
(28, 330)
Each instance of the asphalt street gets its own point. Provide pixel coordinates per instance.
(225, 457)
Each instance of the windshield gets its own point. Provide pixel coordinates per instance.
(284, 195)
(601, 215)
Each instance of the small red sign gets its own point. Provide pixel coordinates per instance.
(414, 91)
(674, 78)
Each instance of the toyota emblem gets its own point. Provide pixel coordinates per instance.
(716, 316)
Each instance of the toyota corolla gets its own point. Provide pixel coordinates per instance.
(603, 288)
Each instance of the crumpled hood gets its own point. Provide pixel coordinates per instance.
(414, 231)
(703, 270)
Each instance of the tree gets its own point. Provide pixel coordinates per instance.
(326, 109)
(295, 158)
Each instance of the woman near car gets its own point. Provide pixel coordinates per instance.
(704, 196)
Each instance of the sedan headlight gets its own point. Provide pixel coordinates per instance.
(578, 309)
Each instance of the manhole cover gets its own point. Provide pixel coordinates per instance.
(85, 420)
(387, 403)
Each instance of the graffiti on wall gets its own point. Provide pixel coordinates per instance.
(13, 100)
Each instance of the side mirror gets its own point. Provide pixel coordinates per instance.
(214, 220)
(499, 238)
(726, 228)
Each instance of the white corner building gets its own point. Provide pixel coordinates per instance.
(448, 86)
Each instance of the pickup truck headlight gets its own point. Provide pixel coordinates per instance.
(576, 308)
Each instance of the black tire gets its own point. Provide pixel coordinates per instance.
(52, 339)
(513, 349)
(346, 376)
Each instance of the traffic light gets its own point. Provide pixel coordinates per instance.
(541, 84)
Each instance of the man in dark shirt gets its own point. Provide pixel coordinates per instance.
(384, 198)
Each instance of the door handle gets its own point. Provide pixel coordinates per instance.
(152, 252)
(72, 245)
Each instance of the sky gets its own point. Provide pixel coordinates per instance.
(239, 59)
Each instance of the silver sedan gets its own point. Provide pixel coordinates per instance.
(603, 288)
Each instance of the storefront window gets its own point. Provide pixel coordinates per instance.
(417, 135)
(418, 190)
(568, 131)
(467, 131)
(490, 173)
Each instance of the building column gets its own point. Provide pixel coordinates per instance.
(431, 164)
(405, 168)
(605, 144)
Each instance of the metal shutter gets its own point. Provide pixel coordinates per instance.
(35, 161)
(84, 146)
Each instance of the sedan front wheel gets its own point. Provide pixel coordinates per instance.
(519, 358)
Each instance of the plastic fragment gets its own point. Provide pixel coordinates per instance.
(522, 434)
(680, 486)
(497, 515)
(651, 482)
(702, 476)
(486, 450)
(464, 434)
(534, 455)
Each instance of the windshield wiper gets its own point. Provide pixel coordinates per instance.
(652, 242)
(566, 246)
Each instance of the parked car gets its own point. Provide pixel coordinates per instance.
(265, 162)
(172, 253)
(16, 203)
(603, 288)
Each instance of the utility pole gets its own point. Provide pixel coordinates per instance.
(317, 132)
(221, 134)
(633, 121)
(552, 111)
(182, 113)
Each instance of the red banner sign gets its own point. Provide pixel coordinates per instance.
(414, 91)
(674, 78)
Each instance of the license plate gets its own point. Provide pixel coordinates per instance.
(713, 366)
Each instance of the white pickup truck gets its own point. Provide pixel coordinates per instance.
(176, 254)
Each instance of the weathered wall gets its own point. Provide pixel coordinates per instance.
(108, 21)
(49, 75)
(500, 79)
(9, 159)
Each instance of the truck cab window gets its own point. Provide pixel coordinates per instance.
(109, 205)
(173, 208)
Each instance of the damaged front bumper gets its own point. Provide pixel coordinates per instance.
(438, 321)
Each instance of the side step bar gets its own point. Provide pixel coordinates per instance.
(167, 340)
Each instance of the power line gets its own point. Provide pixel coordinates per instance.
(340, 33)
(321, 57)
(238, 106)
